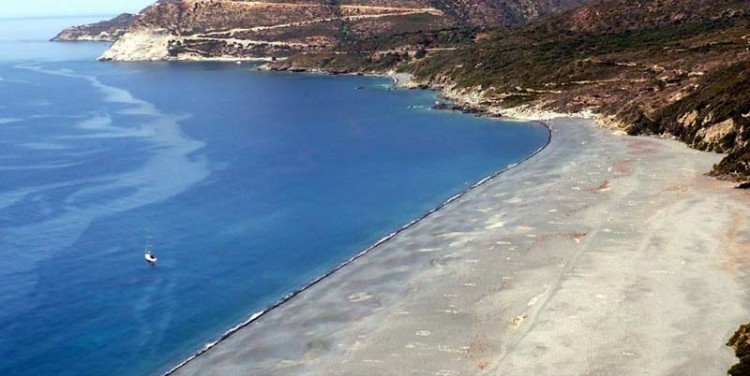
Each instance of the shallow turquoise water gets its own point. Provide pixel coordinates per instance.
(252, 184)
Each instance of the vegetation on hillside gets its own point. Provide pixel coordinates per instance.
(666, 66)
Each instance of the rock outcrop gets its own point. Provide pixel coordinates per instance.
(740, 343)
(237, 29)
(104, 31)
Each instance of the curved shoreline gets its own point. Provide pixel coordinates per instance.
(258, 315)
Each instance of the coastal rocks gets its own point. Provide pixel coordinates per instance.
(715, 133)
(140, 45)
(740, 343)
(104, 31)
(450, 106)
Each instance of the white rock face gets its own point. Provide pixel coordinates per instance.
(140, 45)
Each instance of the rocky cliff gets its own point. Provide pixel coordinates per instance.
(203, 29)
(104, 31)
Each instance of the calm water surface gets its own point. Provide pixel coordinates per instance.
(252, 184)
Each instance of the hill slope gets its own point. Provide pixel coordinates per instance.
(106, 31)
(195, 29)
(653, 66)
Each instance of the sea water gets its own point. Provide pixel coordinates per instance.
(251, 184)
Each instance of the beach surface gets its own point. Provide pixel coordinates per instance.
(602, 255)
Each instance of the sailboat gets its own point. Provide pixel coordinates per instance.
(148, 255)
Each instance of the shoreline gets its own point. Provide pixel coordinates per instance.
(514, 272)
(404, 81)
(287, 298)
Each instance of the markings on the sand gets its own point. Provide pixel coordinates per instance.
(514, 200)
(448, 311)
(447, 349)
(578, 237)
(495, 225)
(534, 300)
(359, 297)
(423, 333)
(459, 243)
(469, 284)
(453, 234)
(662, 272)
(445, 372)
(578, 274)
(518, 320)
(471, 261)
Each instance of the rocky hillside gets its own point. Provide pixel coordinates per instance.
(671, 67)
(199, 29)
(104, 31)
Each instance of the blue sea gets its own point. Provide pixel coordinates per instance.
(251, 184)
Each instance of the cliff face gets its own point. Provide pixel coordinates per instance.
(195, 29)
(104, 31)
